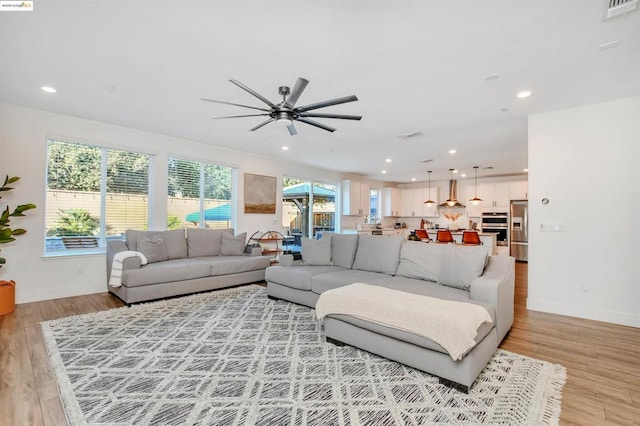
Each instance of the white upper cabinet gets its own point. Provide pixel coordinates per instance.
(392, 202)
(501, 194)
(356, 198)
(412, 204)
(519, 190)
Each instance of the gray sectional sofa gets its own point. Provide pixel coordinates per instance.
(444, 271)
(181, 262)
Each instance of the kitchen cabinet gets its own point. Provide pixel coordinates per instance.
(392, 202)
(519, 190)
(413, 205)
(356, 198)
(494, 195)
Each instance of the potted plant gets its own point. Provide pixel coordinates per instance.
(7, 235)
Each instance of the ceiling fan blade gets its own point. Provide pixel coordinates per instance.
(316, 124)
(327, 103)
(231, 103)
(341, 116)
(301, 84)
(264, 123)
(254, 93)
(292, 129)
(238, 116)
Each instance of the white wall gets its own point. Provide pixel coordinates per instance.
(23, 134)
(586, 160)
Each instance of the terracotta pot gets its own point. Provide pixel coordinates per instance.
(7, 297)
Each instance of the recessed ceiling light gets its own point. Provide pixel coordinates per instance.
(524, 94)
(525, 170)
(504, 109)
(384, 172)
(491, 77)
(455, 171)
(110, 89)
(413, 179)
(463, 175)
(285, 148)
(452, 151)
(388, 160)
(48, 89)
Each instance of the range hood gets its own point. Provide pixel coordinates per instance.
(453, 195)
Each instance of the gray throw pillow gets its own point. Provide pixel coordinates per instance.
(378, 253)
(421, 260)
(233, 246)
(176, 242)
(343, 249)
(462, 264)
(131, 237)
(316, 252)
(153, 248)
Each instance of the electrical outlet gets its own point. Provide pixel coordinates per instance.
(584, 287)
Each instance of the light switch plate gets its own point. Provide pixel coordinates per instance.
(551, 227)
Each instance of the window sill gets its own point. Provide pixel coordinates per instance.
(98, 251)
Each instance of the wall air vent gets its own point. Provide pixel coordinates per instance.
(615, 8)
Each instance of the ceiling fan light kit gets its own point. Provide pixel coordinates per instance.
(286, 112)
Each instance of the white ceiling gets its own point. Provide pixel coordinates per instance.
(414, 65)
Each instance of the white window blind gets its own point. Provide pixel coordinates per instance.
(93, 193)
(199, 195)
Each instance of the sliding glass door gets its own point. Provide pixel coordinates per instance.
(309, 208)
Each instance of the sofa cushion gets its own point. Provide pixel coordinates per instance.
(205, 242)
(176, 241)
(131, 236)
(298, 277)
(316, 252)
(323, 282)
(233, 246)
(226, 265)
(164, 272)
(153, 247)
(421, 260)
(343, 249)
(406, 336)
(462, 264)
(378, 253)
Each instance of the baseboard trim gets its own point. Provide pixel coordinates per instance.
(596, 314)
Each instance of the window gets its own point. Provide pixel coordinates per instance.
(93, 193)
(199, 195)
(308, 208)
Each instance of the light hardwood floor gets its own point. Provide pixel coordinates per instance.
(602, 360)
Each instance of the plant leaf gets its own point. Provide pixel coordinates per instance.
(13, 179)
(18, 231)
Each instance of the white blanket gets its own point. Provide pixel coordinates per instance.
(118, 261)
(453, 325)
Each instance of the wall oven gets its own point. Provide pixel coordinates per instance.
(497, 223)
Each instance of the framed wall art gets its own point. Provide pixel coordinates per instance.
(259, 194)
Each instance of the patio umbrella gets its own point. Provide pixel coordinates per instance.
(221, 212)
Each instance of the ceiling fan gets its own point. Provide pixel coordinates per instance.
(286, 112)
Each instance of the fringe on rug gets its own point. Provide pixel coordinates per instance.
(553, 404)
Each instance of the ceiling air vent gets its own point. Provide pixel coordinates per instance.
(615, 8)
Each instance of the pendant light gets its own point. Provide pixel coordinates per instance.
(451, 202)
(475, 200)
(429, 201)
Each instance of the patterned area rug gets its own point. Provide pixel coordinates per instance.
(234, 357)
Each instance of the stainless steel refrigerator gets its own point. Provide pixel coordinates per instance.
(519, 230)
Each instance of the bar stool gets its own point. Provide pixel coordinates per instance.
(471, 238)
(423, 235)
(444, 236)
